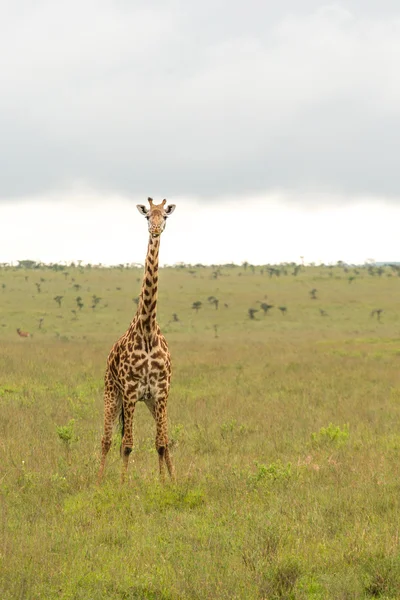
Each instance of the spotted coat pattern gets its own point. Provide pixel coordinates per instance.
(139, 363)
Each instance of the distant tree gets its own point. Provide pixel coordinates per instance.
(213, 300)
(196, 306)
(377, 312)
(41, 322)
(3, 285)
(27, 264)
(77, 286)
(95, 300)
(296, 270)
(175, 318)
(251, 312)
(58, 299)
(322, 313)
(216, 331)
(283, 309)
(74, 313)
(313, 294)
(38, 287)
(266, 307)
(65, 273)
(136, 300)
(79, 302)
(351, 278)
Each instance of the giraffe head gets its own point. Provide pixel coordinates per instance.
(156, 215)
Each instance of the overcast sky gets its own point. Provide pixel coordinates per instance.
(282, 117)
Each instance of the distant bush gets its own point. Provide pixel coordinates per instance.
(331, 435)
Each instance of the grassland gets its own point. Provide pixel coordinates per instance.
(285, 432)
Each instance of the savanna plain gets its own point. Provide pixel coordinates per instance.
(284, 423)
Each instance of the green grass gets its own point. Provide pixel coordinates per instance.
(285, 433)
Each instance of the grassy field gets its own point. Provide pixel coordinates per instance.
(285, 431)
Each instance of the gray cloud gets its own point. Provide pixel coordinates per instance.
(206, 98)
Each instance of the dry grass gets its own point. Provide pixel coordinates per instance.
(285, 430)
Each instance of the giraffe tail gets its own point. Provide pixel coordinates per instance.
(121, 425)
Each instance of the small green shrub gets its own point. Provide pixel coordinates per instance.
(66, 433)
(164, 498)
(331, 435)
(273, 472)
(231, 429)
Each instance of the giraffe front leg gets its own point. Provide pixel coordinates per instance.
(128, 407)
(164, 456)
(112, 407)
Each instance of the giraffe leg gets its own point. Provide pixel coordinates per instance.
(158, 409)
(112, 407)
(129, 404)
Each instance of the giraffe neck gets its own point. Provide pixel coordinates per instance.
(147, 308)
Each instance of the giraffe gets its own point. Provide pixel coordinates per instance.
(139, 364)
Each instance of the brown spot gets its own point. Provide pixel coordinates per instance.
(155, 364)
(131, 375)
(148, 282)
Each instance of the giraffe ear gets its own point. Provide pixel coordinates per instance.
(169, 209)
(142, 209)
